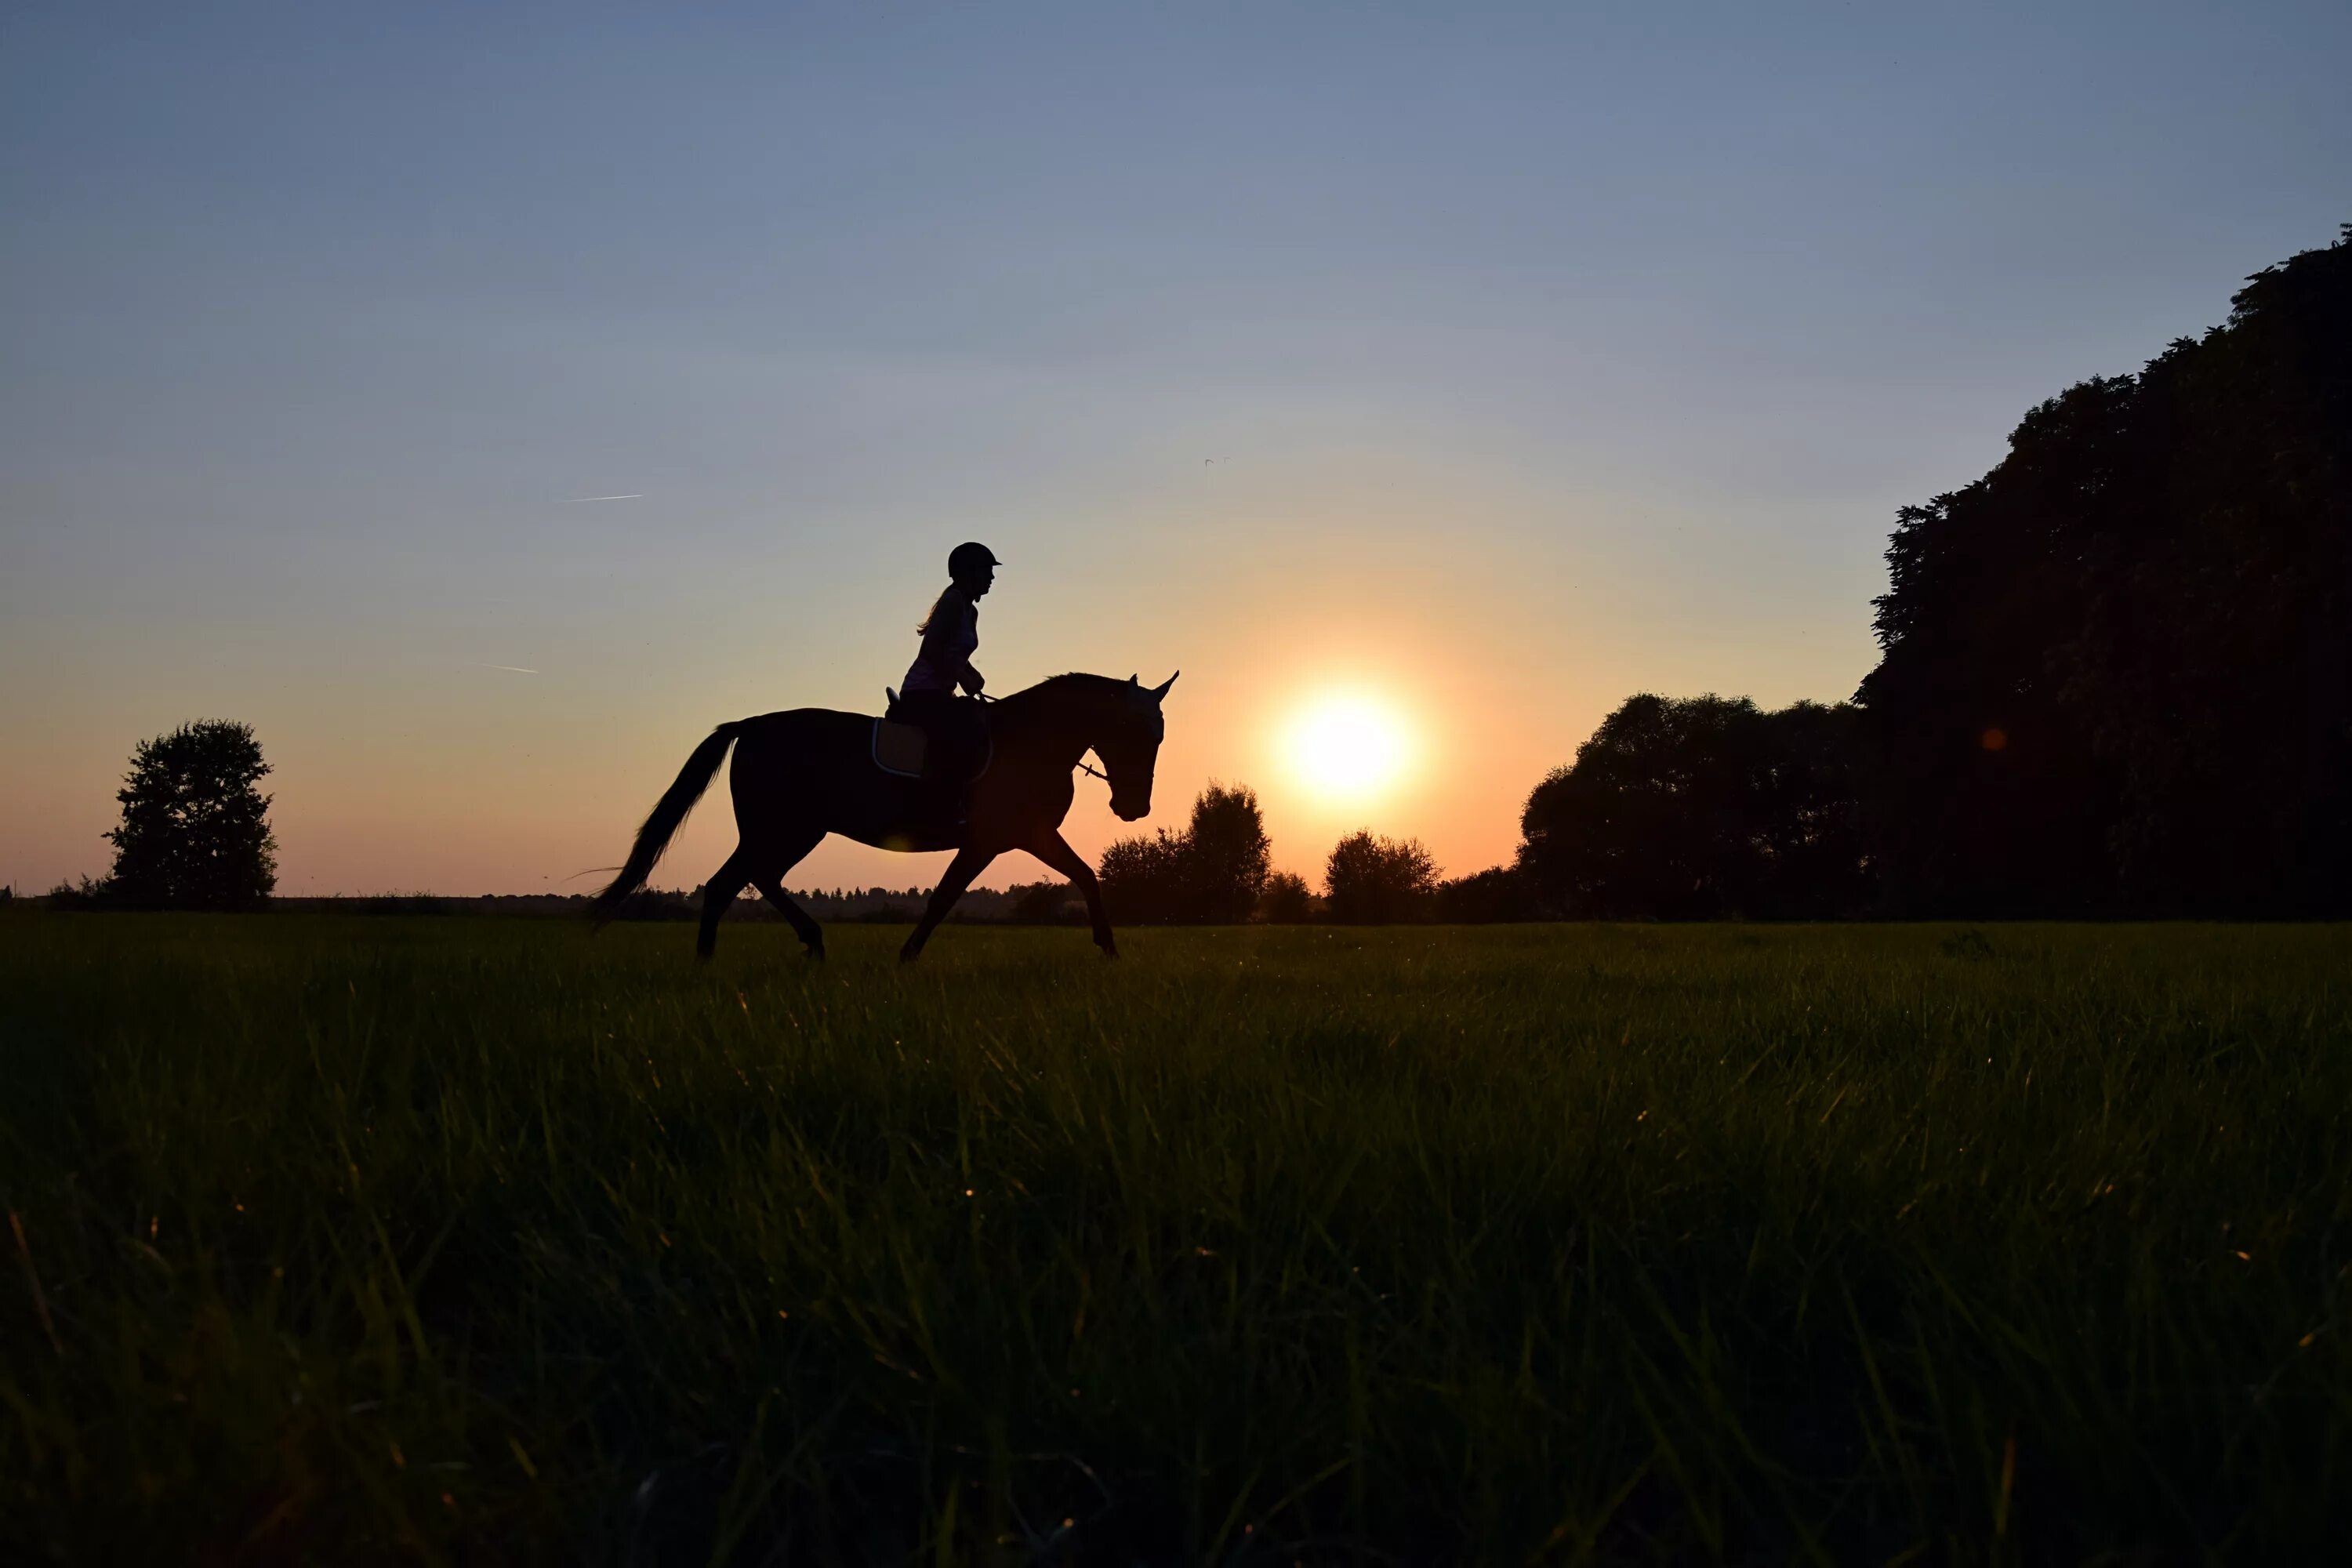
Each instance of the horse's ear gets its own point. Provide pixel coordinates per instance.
(1160, 690)
(1134, 680)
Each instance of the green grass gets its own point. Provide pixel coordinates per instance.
(350, 1240)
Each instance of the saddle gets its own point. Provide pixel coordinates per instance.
(905, 749)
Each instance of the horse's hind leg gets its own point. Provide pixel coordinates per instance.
(783, 856)
(717, 895)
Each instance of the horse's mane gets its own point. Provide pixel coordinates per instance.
(1063, 687)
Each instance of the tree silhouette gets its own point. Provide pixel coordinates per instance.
(1044, 903)
(1227, 855)
(1142, 878)
(1496, 894)
(1379, 882)
(1697, 809)
(2116, 670)
(1287, 900)
(195, 831)
(1211, 873)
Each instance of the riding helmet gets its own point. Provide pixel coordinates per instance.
(967, 559)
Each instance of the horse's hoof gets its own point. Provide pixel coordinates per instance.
(816, 955)
(909, 954)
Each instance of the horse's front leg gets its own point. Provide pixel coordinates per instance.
(1056, 852)
(967, 863)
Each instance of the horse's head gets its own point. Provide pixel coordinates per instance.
(1131, 747)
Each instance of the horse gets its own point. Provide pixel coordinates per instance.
(807, 772)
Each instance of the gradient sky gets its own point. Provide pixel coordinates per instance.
(1499, 360)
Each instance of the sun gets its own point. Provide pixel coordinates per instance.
(1347, 747)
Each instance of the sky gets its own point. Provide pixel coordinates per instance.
(1485, 364)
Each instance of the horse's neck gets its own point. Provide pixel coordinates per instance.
(1063, 723)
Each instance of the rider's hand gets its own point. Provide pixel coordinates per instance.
(973, 683)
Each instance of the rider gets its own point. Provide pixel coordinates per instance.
(950, 636)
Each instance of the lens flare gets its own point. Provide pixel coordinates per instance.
(1347, 747)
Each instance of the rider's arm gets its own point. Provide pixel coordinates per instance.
(972, 680)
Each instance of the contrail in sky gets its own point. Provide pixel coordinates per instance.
(513, 669)
(574, 501)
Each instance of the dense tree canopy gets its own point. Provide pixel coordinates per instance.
(2116, 670)
(195, 830)
(1701, 807)
(1499, 893)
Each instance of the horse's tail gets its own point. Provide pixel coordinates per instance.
(668, 812)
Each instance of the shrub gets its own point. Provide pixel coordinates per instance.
(1044, 903)
(1287, 900)
(1212, 873)
(1483, 898)
(1379, 881)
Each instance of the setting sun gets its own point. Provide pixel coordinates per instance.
(1348, 746)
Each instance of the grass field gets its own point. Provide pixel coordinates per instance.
(351, 1239)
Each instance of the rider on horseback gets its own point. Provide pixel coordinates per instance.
(954, 727)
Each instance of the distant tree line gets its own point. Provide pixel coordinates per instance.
(1219, 871)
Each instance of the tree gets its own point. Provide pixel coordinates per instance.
(1700, 808)
(1650, 820)
(1142, 880)
(1287, 900)
(1485, 897)
(195, 831)
(2116, 670)
(1044, 903)
(1378, 881)
(1227, 855)
(1211, 873)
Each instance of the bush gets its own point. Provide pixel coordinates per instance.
(1484, 898)
(1143, 879)
(405, 904)
(651, 904)
(1379, 881)
(85, 895)
(1212, 873)
(1287, 900)
(1044, 904)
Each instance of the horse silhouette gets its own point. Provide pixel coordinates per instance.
(802, 773)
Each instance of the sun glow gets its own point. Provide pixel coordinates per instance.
(1347, 747)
